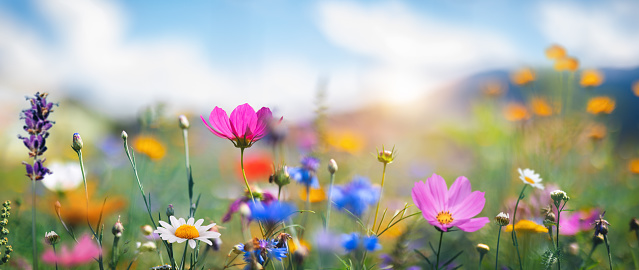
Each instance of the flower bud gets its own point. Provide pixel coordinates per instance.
(502, 219)
(245, 210)
(57, 206)
(183, 121)
(4, 231)
(169, 211)
(147, 230)
(238, 249)
(634, 224)
(280, 177)
(482, 249)
(332, 166)
(51, 238)
(386, 156)
(124, 135)
(146, 247)
(117, 228)
(77, 142)
(300, 254)
(597, 239)
(559, 196)
(573, 249)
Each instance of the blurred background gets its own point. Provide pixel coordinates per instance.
(458, 87)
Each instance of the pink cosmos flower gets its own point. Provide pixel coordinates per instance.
(445, 208)
(573, 222)
(243, 128)
(83, 252)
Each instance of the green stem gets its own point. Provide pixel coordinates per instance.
(33, 217)
(330, 202)
(558, 250)
(380, 198)
(248, 187)
(439, 249)
(497, 252)
(514, 233)
(56, 254)
(186, 245)
(86, 194)
(608, 248)
(481, 257)
(185, 136)
(114, 252)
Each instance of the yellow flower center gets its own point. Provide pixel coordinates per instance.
(187, 232)
(529, 180)
(445, 217)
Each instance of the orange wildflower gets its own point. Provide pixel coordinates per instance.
(493, 88)
(567, 64)
(523, 76)
(555, 52)
(597, 131)
(635, 88)
(540, 106)
(527, 226)
(633, 165)
(516, 112)
(72, 206)
(599, 105)
(591, 78)
(149, 146)
(317, 195)
(256, 166)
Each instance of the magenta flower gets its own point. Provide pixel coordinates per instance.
(572, 223)
(445, 208)
(243, 128)
(83, 252)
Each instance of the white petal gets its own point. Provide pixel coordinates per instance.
(182, 222)
(190, 221)
(180, 240)
(192, 243)
(207, 227)
(205, 240)
(210, 234)
(165, 225)
(174, 222)
(198, 222)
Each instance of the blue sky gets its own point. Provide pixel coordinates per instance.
(193, 54)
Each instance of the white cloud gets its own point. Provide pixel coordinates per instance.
(92, 58)
(600, 34)
(411, 54)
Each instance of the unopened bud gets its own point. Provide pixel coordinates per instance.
(146, 247)
(57, 206)
(598, 239)
(124, 135)
(634, 224)
(169, 211)
(238, 249)
(386, 156)
(183, 121)
(502, 219)
(332, 166)
(77, 142)
(147, 230)
(559, 196)
(573, 248)
(117, 228)
(482, 249)
(51, 238)
(280, 177)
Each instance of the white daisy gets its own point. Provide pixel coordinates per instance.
(180, 231)
(66, 176)
(529, 176)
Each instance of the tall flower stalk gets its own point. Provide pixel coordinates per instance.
(332, 168)
(558, 197)
(386, 157)
(529, 177)
(184, 125)
(502, 220)
(37, 125)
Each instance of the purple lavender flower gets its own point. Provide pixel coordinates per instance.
(37, 125)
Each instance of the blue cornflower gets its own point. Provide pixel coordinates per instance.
(355, 196)
(307, 173)
(354, 241)
(274, 249)
(271, 212)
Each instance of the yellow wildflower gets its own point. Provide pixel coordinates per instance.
(633, 165)
(635, 88)
(591, 78)
(317, 195)
(149, 146)
(555, 52)
(597, 131)
(598, 105)
(527, 226)
(516, 112)
(540, 106)
(567, 64)
(523, 76)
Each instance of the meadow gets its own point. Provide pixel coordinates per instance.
(541, 172)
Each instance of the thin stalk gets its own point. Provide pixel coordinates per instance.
(86, 194)
(185, 136)
(557, 238)
(330, 202)
(439, 249)
(186, 245)
(247, 185)
(114, 252)
(608, 248)
(514, 233)
(497, 252)
(33, 217)
(481, 257)
(381, 191)
(56, 255)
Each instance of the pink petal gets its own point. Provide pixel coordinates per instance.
(569, 224)
(220, 122)
(439, 191)
(242, 117)
(49, 257)
(470, 206)
(474, 224)
(264, 115)
(85, 251)
(458, 191)
(424, 200)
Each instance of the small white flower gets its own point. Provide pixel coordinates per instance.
(65, 176)
(529, 176)
(559, 195)
(146, 247)
(180, 231)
